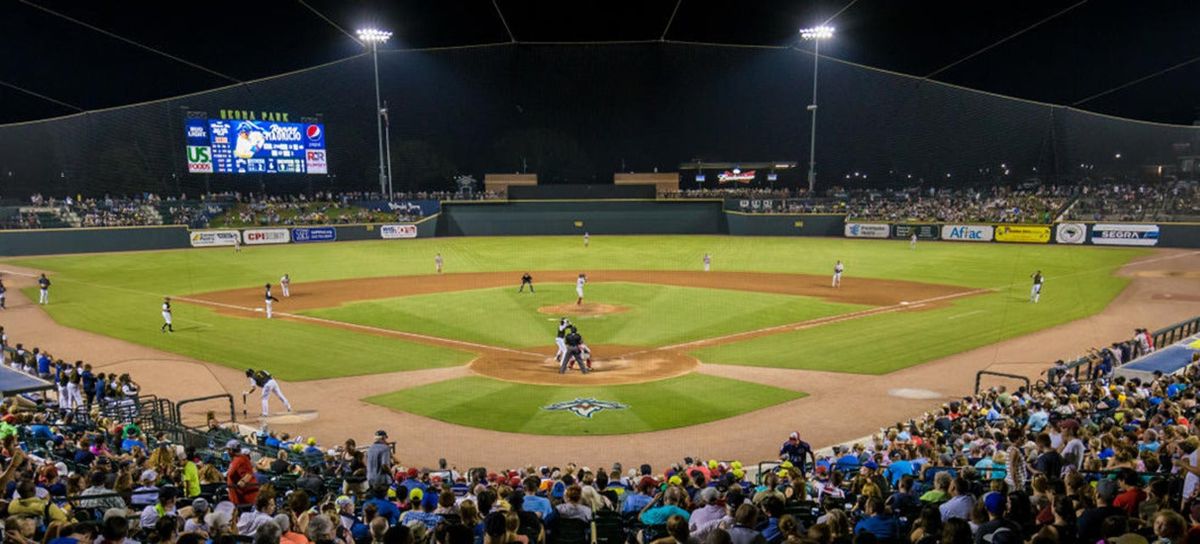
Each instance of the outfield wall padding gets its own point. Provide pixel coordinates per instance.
(749, 224)
(99, 240)
(497, 218)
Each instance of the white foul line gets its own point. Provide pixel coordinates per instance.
(965, 315)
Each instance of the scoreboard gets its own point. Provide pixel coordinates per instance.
(250, 142)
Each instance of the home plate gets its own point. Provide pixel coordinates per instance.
(288, 418)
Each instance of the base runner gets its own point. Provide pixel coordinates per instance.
(263, 379)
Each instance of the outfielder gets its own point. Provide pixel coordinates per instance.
(1035, 292)
(285, 283)
(263, 379)
(582, 279)
(166, 313)
(237, 243)
(707, 262)
(268, 300)
(437, 262)
(526, 280)
(912, 242)
(574, 352)
(563, 326)
(44, 289)
(837, 274)
(585, 239)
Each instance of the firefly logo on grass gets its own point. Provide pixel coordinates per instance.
(585, 407)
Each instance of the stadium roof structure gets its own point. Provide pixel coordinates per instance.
(63, 57)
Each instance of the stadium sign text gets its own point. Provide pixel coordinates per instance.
(923, 232)
(1124, 235)
(393, 232)
(213, 238)
(1030, 234)
(316, 234)
(265, 236)
(867, 230)
(968, 233)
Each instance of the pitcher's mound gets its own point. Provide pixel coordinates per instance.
(587, 309)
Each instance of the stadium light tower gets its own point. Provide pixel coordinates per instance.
(815, 35)
(375, 37)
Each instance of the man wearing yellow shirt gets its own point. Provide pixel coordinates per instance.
(191, 475)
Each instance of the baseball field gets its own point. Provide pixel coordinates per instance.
(651, 316)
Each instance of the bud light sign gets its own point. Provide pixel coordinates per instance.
(1124, 235)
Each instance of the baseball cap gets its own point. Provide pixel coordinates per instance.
(232, 444)
(343, 501)
(117, 513)
(381, 434)
(149, 475)
(1106, 489)
(994, 502)
(794, 436)
(200, 505)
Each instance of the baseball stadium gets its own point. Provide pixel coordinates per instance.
(594, 285)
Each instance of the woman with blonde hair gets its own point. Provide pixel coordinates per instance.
(594, 500)
(840, 527)
(468, 511)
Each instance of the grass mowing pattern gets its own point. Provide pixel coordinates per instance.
(658, 315)
(119, 294)
(512, 407)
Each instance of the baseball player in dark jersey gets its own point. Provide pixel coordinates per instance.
(166, 313)
(268, 300)
(44, 289)
(1035, 292)
(560, 341)
(574, 351)
(263, 379)
(526, 280)
(4, 290)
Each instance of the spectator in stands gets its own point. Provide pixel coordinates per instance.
(533, 502)
(240, 479)
(264, 510)
(423, 515)
(572, 507)
(961, 501)
(878, 522)
(1091, 520)
(164, 507)
(743, 530)
(146, 494)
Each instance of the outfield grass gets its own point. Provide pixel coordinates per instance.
(512, 407)
(657, 314)
(119, 294)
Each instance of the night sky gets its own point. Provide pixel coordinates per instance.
(1093, 47)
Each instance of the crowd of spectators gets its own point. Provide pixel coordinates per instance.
(1064, 461)
(996, 204)
(1175, 201)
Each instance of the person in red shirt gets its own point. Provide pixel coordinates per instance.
(243, 486)
(1131, 494)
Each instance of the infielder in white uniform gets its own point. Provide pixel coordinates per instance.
(268, 299)
(1035, 292)
(837, 274)
(263, 379)
(166, 313)
(563, 325)
(707, 262)
(285, 283)
(582, 279)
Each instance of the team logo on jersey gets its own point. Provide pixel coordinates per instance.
(585, 407)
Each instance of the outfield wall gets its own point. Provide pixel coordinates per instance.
(505, 218)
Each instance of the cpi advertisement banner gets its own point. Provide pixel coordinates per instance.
(1124, 235)
(214, 238)
(1029, 234)
(393, 232)
(867, 230)
(924, 232)
(1070, 233)
(252, 237)
(317, 234)
(968, 233)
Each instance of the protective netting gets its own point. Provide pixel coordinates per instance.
(577, 113)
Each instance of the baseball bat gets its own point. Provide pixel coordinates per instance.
(243, 405)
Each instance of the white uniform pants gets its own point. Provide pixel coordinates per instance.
(272, 387)
(167, 317)
(286, 289)
(268, 309)
(837, 279)
(1035, 292)
(44, 296)
(562, 348)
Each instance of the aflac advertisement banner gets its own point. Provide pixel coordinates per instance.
(967, 233)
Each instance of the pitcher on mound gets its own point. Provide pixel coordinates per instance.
(582, 279)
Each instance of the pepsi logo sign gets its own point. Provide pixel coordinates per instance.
(314, 132)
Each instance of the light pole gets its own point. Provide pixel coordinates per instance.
(387, 139)
(375, 37)
(815, 34)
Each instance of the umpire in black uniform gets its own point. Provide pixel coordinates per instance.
(573, 341)
(526, 280)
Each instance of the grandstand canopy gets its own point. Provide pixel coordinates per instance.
(62, 56)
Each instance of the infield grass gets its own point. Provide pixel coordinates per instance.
(512, 407)
(656, 315)
(119, 295)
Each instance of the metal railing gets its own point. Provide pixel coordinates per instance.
(979, 378)
(1173, 333)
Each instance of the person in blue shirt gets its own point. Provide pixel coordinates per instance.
(636, 500)
(797, 451)
(534, 503)
(847, 462)
(89, 384)
(899, 468)
(671, 499)
(773, 507)
(132, 439)
(101, 387)
(878, 522)
(43, 366)
(383, 507)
